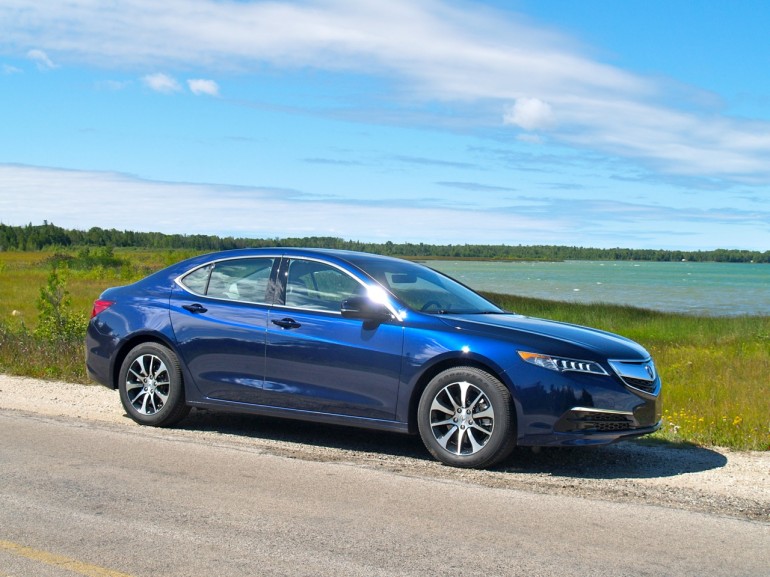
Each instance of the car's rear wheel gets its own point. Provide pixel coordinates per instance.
(465, 418)
(151, 387)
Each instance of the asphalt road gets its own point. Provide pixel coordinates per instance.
(89, 498)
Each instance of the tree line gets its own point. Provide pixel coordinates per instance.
(49, 236)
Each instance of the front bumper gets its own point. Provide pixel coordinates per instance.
(634, 413)
(585, 438)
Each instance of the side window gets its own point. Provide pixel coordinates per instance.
(197, 281)
(244, 279)
(317, 286)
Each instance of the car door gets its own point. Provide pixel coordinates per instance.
(319, 361)
(219, 315)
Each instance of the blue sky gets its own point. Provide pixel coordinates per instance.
(641, 123)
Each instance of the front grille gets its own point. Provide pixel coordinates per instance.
(641, 384)
(605, 422)
(587, 419)
(640, 376)
(613, 426)
(603, 417)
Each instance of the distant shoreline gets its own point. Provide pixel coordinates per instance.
(516, 260)
(49, 237)
(478, 259)
(708, 288)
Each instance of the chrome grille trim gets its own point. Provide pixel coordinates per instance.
(595, 420)
(638, 375)
(594, 410)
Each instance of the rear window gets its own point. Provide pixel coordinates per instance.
(244, 280)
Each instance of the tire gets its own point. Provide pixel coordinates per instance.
(465, 418)
(151, 386)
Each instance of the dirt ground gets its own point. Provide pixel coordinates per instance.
(707, 479)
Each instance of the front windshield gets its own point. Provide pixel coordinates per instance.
(423, 289)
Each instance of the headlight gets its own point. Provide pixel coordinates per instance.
(561, 364)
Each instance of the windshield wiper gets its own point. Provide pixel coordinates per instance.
(460, 312)
(479, 312)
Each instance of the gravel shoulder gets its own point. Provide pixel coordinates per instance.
(710, 480)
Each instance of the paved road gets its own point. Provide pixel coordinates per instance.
(85, 498)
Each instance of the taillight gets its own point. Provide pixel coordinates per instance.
(100, 305)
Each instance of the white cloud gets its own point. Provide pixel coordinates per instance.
(33, 194)
(160, 82)
(79, 199)
(200, 86)
(8, 69)
(530, 114)
(433, 50)
(41, 59)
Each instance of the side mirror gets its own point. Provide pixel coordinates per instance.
(364, 308)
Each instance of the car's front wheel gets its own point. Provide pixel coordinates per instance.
(465, 418)
(151, 387)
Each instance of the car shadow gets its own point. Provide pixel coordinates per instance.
(306, 433)
(638, 459)
(641, 459)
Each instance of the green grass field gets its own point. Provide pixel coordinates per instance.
(715, 370)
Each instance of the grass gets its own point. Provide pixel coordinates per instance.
(715, 370)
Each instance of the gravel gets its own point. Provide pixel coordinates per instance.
(707, 479)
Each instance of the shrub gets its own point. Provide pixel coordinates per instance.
(56, 322)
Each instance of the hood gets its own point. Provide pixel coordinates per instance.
(604, 344)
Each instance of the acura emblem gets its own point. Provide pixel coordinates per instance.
(650, 371)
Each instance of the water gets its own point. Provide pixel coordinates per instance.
(715, 289)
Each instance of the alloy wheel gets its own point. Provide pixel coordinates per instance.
(147, 384)
(462, 418)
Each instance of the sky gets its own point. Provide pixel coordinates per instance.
(598, 123)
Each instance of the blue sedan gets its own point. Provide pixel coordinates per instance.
(358, 339)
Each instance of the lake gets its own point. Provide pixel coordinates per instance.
(706, 288)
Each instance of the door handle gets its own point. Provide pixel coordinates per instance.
(195, 308)
(287, 323)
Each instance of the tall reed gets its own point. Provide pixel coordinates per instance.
(715, 370)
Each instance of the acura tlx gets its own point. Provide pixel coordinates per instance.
(357, 339)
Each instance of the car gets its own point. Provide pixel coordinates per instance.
(351, 338)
